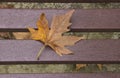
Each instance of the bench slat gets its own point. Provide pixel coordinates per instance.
(85, 51)
(82, 20)
(62, 1)
(70, 75)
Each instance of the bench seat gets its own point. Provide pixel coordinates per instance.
(105, 51)
(66, 75)
(82, 20)
(85, 51)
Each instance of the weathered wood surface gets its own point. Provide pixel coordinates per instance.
(82, 20)
(85, 51)
(62, 1)
(67, 75)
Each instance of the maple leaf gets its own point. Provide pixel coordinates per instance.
(53, 36)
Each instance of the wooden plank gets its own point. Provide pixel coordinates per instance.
(62, 1)
(67, 75)
(82, 20)
(85, 51)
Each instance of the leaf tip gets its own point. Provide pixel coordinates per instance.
(73, 10)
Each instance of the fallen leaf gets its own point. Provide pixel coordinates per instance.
(99, 66)
(79, 66)
(21, 35)
(5, 35)
(53, 36)
(6, 6)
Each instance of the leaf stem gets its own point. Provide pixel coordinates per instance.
(41, 50)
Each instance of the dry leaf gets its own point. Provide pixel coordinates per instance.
(53, 36)
(21, 35)
(99, 66)
(79, 66)
(6, 6)
(5, 35)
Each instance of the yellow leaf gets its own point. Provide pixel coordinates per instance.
(53, 36)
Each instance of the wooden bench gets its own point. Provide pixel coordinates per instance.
(105, 51)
